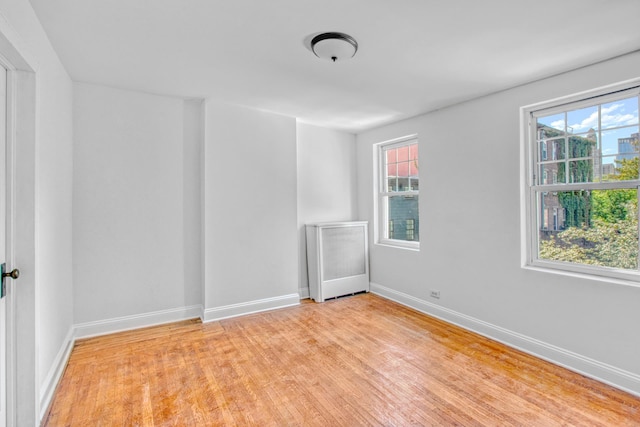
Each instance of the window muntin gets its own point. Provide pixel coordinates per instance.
(398, 193)
(583, 181)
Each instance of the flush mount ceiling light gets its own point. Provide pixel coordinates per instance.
(334, 46)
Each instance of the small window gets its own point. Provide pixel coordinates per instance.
(398, 188)
(582, 174)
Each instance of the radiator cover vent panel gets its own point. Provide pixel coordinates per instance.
(343, 252)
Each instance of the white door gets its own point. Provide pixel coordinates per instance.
(4, 246)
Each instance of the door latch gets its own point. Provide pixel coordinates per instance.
(14, 274)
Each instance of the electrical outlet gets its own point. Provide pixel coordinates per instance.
(435, 294)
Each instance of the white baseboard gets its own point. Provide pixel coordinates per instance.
(304, 293)
(119, 324)
(48, 387)
(619, 378)
(249, 307)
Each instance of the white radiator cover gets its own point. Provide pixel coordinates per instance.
(337, 258)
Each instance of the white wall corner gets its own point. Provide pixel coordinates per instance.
(619, 378)
(50, 383)
(119, 324)
(250, 307)
(304, 292)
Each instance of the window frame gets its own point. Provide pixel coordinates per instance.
(381, 196)
(530, 219)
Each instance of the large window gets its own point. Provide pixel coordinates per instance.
(582, 183)
(398, 193)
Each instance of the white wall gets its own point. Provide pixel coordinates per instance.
(135, 213)
(249, 211)
(326, 184)
(41, 347)
(193, 138)
(470, 236)
(54, 308)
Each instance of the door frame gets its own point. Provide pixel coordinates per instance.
(22, 375)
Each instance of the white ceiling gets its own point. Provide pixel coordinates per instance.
(414, 55)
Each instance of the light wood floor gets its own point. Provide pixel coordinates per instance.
(354, 361)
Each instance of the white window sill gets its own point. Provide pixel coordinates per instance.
(582, 275)
(399, 244)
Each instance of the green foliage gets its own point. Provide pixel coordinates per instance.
(606, 244)
(626, 169)
(611, 205)
(580, 146)
(577, 205)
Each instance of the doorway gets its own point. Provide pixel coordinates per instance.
(19, 400)
(5, 246)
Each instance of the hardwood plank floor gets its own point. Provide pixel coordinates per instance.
(360, 360)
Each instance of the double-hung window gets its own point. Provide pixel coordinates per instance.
(581, 183)
(398, 193)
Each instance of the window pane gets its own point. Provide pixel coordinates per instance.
(543, 150)
(413, 153)
(392, 184)
(403, 183)
(403, 169)
(552, 173)
(620, 149)
(609, 168)
(582, 120)
(392, 180)
(623, 112)
(403, 218)
(620, 141)
(598, 227)
(582, 145)
(582, 171)
(628, 145)
(551, 126)
(627, 169)
(413, 168)
(403, 154)
(552, 149)
(392, 171)
(413, 173)
(392, 155)
(414, 184)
